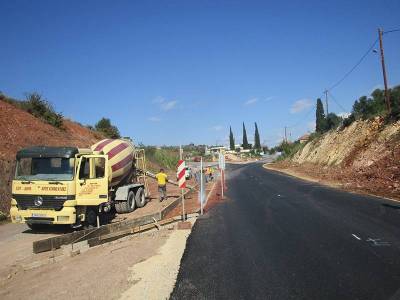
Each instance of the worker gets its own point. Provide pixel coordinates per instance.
(162, 179)
(211, 173)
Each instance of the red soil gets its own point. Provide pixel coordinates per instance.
(19, 129)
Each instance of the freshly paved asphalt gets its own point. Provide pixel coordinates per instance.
(277, 237)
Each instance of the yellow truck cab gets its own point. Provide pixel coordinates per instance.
(67, 185)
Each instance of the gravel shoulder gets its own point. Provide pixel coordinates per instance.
(134, 265)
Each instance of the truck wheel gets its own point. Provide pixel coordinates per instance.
(140, 198)
(90, 218)
(123, 207)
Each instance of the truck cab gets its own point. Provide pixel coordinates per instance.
(57, 185)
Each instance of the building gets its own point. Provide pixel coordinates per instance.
(304, 138)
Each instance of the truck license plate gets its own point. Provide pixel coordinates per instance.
(38, 215)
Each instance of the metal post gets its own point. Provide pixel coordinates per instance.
(221, 168)
(222, 183)
(387, 98)
(182, 192)
(201, 186)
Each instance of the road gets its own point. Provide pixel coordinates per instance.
(278, 237)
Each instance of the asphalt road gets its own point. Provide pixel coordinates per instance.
(278, 237)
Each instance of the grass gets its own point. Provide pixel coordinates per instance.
(166, 158)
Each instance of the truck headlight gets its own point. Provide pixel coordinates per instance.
(62, 218)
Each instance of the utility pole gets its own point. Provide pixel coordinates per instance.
(326, 102)
(285, 135)
(387, 98)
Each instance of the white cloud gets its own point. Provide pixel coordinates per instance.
(251, 101)
(168, 105)
(300, 105)
(164, 104)
(217, 127)
(268, 99)
(159, 99)
(154, 119)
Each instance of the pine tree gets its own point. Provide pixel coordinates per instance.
(245, 142)
(257, 144)
(231, 139)
(320, 125)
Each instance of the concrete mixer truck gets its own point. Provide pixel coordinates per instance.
(67, 185)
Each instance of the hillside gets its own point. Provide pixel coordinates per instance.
(20, 129)
(364, 156)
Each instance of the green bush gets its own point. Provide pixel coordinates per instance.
(366, 108)
(166, 157)
(288, 149)
(39, 107)
(105, 127)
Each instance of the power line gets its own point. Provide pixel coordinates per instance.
(329, 90)
(334, 99)
(355, 66)
(389, 31)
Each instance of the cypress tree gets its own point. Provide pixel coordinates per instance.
(320, 125)
(245, 141)
(257, 144)
(231, 139)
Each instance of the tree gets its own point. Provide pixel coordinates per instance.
(320, 125)
(257, 144)
(104, 126)
(245, 144)
(333, 121)
(231, 139)
(395, 99)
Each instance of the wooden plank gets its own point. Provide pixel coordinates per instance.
(171, 206)
(68, 238)
(93, 234)
(120, 234)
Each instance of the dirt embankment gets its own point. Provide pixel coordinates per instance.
(20, 129)
(364, 157)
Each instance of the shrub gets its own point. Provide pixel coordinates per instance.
(39, 107)
(105, 127)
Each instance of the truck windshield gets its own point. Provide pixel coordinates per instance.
(45, 168)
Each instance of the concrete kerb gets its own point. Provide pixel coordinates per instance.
(77, 237)
(211, 191)
(173, 204)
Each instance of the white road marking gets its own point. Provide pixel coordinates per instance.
(358, 238)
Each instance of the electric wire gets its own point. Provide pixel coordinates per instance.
(334, 100)
(355, 66)
(389, 31)
(347, 74)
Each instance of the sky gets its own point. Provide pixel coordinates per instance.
(179, 72)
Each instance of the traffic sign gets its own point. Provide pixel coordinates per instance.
(182, 174)
(221, 161)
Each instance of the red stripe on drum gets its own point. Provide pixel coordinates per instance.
(122, 163)
(117, 149)
(102, 145)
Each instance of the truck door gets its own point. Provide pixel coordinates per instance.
(92, 180)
